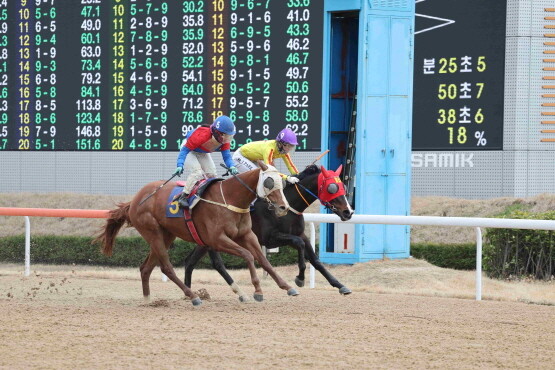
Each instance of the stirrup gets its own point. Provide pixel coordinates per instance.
(182, 200)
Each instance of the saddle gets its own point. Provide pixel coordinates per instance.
(197, 191)
(173, 209)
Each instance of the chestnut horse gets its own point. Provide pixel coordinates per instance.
(314, 184)
(221, 218)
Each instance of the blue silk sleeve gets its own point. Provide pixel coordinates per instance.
(182, 155)
(226, 154)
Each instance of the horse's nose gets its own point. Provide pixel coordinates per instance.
(347, 214)
(281, 211)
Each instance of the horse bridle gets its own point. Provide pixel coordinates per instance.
(271, 205)
(328, 205)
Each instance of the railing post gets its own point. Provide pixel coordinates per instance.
(27, 246)
(478, 264)
(313, 242)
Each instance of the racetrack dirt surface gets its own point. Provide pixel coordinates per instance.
(97, 319)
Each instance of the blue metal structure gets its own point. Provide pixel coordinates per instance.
(368, 51)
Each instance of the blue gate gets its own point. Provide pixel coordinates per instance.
(367, 121)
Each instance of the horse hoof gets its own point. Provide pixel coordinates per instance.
(196, 301)
(292, 292)
(344, 290)
(258, 297)
(243, 299)
(299, 282)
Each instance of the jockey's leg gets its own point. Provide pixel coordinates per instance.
(207, 164)
(194, 169)
(242, 163)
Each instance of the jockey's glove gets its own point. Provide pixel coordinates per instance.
(292, 179)
(233, 170)
(178, 171)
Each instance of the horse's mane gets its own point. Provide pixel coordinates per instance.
(309, 170)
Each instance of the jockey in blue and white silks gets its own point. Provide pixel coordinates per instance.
(194, 156)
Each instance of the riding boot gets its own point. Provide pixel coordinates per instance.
(182, 200)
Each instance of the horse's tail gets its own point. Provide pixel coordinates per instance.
(117, 218)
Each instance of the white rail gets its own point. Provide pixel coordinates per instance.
(477, 223)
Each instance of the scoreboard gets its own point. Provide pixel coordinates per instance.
(459, 73)
(138, 75)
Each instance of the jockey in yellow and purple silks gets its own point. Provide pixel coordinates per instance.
(267, 151)
(194, 155)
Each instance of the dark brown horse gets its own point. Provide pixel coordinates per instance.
(315, 184)
(221, 218)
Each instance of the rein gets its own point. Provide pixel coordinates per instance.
(271, 204)
(328, 205)
(303, 198)
(245, 185)
(225, 205)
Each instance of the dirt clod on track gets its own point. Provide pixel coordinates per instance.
(82, 317)
(203, 294)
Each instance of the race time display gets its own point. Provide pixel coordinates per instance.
(137, 75)
(459, 72)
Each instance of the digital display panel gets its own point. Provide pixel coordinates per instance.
(138, 75)
(459, 72)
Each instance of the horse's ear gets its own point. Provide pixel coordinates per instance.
(338, 171)
(262, 165)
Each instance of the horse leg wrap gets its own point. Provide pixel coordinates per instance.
(196, 301)
(237, 290)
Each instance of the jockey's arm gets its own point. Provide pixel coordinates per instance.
(187, 146)
(271, 151)
(226, 155)
(182, 155)
(268, 158)
(290, 166)
(268, 155)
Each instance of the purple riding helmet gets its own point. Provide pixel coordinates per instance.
(286, 140)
